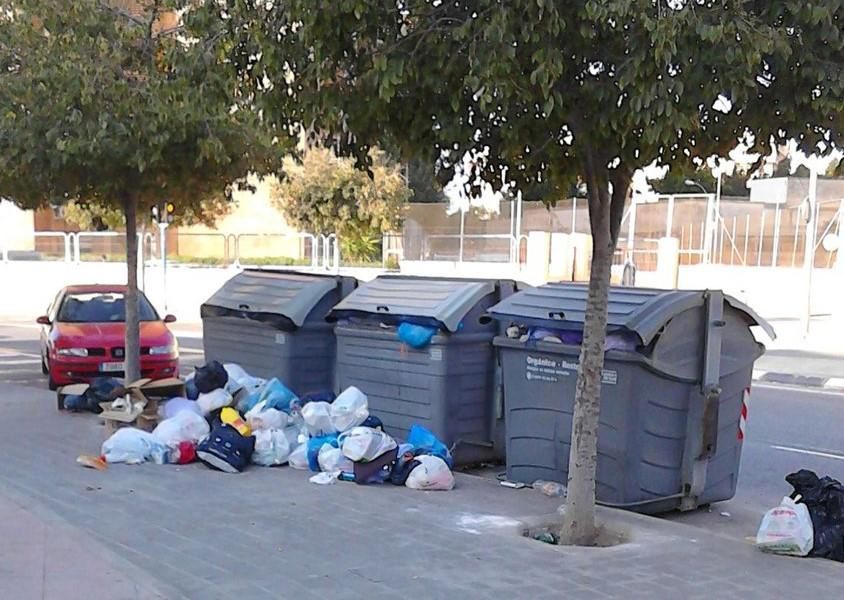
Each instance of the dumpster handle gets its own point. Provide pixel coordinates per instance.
(244, 307)
(559, 315)
(382, 308)
(640, 502)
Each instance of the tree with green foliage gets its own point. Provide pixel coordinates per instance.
(557, 92)
(123, 110)
(94, 217)
(322, 194)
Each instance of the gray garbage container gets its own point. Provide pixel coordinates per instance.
(672, 392)
(448, 386)
(272, 323)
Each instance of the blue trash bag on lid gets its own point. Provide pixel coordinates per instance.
(422, 439)
(416, 336)
(314, 444)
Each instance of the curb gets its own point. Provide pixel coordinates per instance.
(828, 384)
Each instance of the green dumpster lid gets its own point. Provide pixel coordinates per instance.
(642, 311)
(446, 301)
(287, 293)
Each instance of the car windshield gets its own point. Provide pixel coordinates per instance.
(102, 307)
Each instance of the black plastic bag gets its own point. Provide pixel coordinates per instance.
(824, 497)
(211, 376)
(101, 389)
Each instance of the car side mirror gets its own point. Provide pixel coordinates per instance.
(43, 320)
(170, 319)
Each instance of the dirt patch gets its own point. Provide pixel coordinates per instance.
(609, 535)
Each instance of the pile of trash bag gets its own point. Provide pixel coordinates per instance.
(101, 389)
(809, 522)
(230, 420)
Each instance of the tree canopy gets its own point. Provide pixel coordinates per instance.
(553, 92)
(322, 194)
(123, 109)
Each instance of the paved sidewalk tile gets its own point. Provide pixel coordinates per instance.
(268, 533)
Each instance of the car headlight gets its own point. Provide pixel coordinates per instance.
(80, 352)
(169, 350)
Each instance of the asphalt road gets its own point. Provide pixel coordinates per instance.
(788, 429)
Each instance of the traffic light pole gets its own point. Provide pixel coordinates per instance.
(162, 229)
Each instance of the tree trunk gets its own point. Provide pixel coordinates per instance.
(579, 526)
(132, 356)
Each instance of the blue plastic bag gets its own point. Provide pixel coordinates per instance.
(422, 439)
(314, 444)
(416, 336)
(191, 391)
(276, 394)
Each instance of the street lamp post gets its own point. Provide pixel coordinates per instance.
(708, 229)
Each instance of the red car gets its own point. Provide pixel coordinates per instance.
(83, 336)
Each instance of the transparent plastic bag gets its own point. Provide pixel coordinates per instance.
(261, 417)
(298, 458)
(431, 474)
(350, 409)
(131, 446)
(185, 426)
(365, 444)
(271, 448)
(317, 418)
(331, 459)
(786, 529)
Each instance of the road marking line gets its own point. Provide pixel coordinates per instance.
(809, 452)
(757, 375)
(190, 351)
(834, 382)
(23, 361)
(9, 352)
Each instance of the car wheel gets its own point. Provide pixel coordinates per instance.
(52, 384)
(44, 368)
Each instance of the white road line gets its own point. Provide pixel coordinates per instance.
(10, 353)
(21, 361)
(190, 351)
(834, 382)
(809, 452)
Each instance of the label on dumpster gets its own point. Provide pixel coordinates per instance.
(542, 368)
(280, 338)
(436, 354)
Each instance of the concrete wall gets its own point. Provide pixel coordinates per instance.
(16, 227)
(253, 213)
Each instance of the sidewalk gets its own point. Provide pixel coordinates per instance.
(795, 358)
(268, 533)
(47, 559)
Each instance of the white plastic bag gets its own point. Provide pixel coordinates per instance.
(176, 405)
(131, 446)
(266, 418)
(185, 426)
(317, 417)
(786, 529)
(325, 478)
(298, 458)
(240, 379)
(331, 459)
(365, 444)
(431, 474)
(271, 448)
(350, 409)
(211, 401)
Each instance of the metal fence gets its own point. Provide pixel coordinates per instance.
(710, 230)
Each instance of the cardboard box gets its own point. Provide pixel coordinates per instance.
(139, 406)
